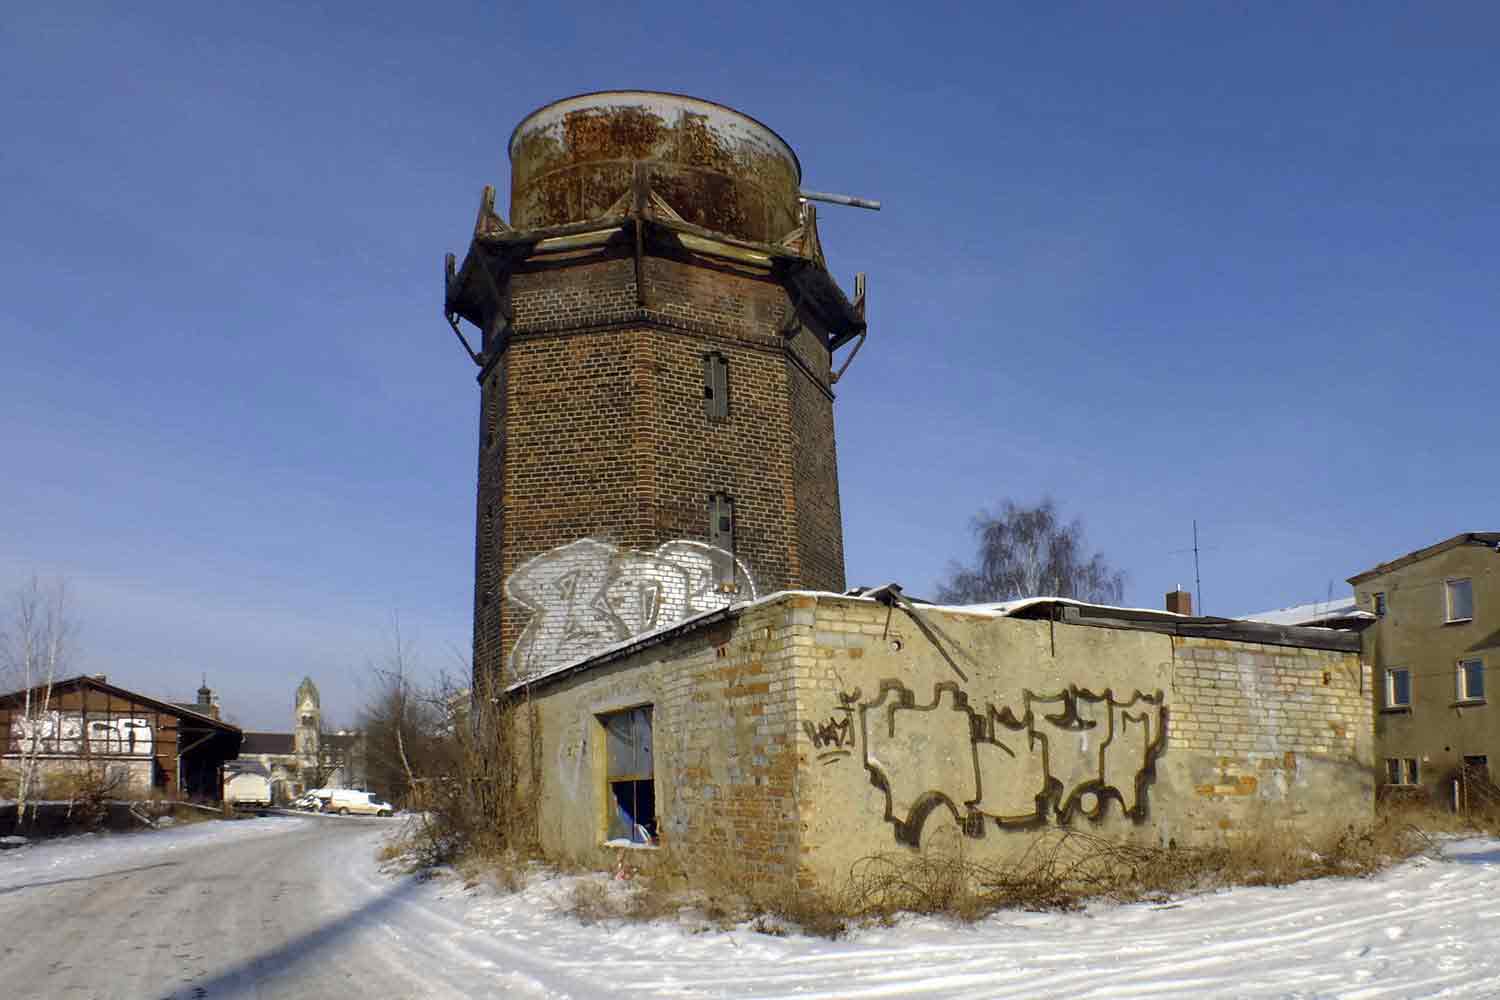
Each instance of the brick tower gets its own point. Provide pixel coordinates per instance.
(656, 377)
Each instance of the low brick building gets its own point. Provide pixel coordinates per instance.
(796, 734)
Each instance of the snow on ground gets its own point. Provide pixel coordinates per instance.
(1420, 929)
(93, 853)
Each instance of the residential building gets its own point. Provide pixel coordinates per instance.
(1434, 646)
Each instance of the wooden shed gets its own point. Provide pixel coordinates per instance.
(145, 747)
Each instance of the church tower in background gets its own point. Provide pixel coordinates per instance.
(307, 734)
(657, 333)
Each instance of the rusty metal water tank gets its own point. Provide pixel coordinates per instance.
(573, 159)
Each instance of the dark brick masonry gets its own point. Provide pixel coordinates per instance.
(593, 424)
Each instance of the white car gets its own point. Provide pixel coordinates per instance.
(345, 801)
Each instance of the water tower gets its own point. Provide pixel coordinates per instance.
(657, 334)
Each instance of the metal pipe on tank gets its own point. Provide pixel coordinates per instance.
(840, 199)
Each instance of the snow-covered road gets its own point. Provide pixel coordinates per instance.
(297, 907)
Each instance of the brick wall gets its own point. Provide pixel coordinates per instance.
(724, 722)
(1259, 720)
(593, 426)
(756, 775)
(1245, 698)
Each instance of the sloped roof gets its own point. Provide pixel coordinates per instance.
(1491, 538)
(1314, 613)
(270, 743)
(170, 708)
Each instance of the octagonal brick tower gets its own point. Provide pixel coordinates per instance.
(657, 330)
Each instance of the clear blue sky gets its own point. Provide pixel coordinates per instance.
(1162, 261)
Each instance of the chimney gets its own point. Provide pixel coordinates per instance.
(1179, 602)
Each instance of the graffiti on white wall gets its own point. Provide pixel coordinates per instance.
(587, 595)
(65, 732)
(1071, 752)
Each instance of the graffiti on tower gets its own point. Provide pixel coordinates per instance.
(588, 595)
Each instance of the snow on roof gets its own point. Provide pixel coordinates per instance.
(1306, 614)
(1002, 609)
(1007, 609)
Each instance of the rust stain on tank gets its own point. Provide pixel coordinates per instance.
(572, 160)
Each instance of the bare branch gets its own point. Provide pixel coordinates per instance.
(1030, 552)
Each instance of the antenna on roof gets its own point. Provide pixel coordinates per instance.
(1197, 577)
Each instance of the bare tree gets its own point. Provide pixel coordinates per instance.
(1030, 552)
(34, 648)
(400, 722)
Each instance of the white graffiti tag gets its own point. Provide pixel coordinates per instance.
(587, 595)
(63, 733)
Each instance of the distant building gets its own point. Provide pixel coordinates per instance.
(1435, 638)
(307, 757)
(143, 747)
(1339, 612)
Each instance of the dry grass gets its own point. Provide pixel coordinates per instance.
(1065, 869)
(87, 790)
(482, 807)
(1059, 870)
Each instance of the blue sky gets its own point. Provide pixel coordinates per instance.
(1232, 262)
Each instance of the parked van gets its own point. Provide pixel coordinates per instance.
(247, 788)
(345, 801)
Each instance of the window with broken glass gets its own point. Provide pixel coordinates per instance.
(631, 780)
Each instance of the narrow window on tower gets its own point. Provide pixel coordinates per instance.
(721, 537)
(489, 414)
(716, 386)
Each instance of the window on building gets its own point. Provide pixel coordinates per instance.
(1401, 770)
(631, 779)
(721, 537)
(1471, 680)
(1477, 767)
(1398, 688)
(1460, 600)
(716, 386)
(1378, 600)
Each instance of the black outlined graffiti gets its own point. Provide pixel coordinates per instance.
(1069, 753)
(831, 737)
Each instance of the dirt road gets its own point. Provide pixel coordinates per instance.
(263, 914)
